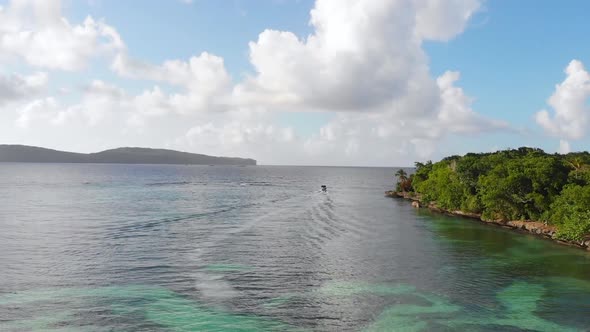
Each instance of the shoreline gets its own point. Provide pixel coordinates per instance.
(536, 228)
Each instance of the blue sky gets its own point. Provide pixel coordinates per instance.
(510, 55)
(218, 27)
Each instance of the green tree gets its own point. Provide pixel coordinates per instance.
(442, 186)
(571, 212)
(524, 183)
(522, 187)
(401, 175)
(422, 171)
(579, 169)
(404, 183)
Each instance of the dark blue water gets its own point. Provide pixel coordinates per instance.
(200, 248)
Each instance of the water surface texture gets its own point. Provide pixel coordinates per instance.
(199, 248)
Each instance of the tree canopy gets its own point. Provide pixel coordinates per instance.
(517, 184)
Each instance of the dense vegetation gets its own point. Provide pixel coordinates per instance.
(520, 184)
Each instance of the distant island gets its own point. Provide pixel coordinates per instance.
(525, 189)
(32, 154)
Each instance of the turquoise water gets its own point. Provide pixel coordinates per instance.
(191, 248)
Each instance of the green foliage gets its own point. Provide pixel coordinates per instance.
(518, 184)
(571, 212)
(574, 226)
(401, 174)
(521, 188)
(422, 171)
(442, 186)
(471, 203)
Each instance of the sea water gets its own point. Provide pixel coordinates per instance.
(224, 248)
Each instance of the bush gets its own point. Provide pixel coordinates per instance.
(574, 226)
(571, 212)
(519, 184)
(442, 186)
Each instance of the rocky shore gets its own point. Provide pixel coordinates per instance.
(533, 227)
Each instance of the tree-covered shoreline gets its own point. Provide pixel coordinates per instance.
(517, 184)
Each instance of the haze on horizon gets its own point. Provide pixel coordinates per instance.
(365, 83)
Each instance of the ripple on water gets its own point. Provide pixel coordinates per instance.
(268, 255)
(224, 268)
(344, 288)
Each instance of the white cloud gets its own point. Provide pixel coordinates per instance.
(443, 20)
(351, 138)
(98, 100)
(17, 87)
(46, 110)
(564, 147)
(570, 104)
(455, 112)
(364, 62)
(101, 99)
(204, 82)
(35, 31)
(363, 56)
(250, 134)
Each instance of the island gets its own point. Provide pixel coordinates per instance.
(524, 189)
(32, 154)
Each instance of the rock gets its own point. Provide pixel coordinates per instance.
(534, 227)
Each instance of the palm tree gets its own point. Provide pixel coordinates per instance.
(576, 163)
(578, 167)
(403, 182)
(401, 175)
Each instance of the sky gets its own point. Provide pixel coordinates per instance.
(297, 82)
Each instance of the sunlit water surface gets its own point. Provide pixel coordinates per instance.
(199, 248)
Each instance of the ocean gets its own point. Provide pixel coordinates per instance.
(89, 247)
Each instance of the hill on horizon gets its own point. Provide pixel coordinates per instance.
(125, 155)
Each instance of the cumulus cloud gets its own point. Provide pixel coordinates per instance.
(203, 80)
(98, 100)
(236, 136)
(570, 105)
(363, 56)
(455, 112)
(363, 62)
(17, 87)
(564, 147)
(46, 110)
(443, 20)
(350, 138)
(35, 31)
